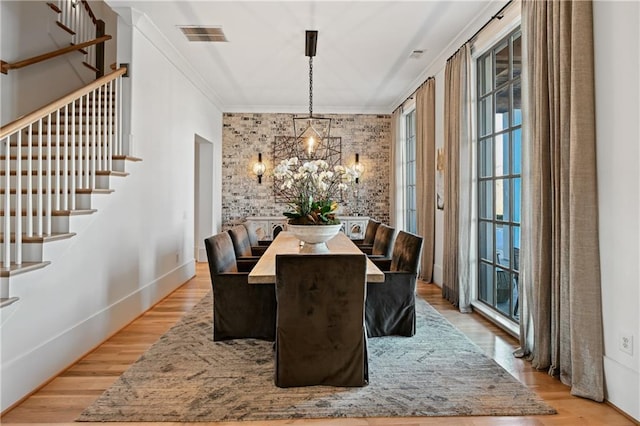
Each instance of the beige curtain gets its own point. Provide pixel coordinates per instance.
(426, 172)
(452, 126)
(393, 167)
(467, 203)
(562, 331)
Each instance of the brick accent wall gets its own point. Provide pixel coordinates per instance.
(244, 135)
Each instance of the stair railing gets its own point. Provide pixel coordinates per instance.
(77, 18)
(59, 149)
(5, 66)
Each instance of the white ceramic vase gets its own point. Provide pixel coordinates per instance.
(315, 237)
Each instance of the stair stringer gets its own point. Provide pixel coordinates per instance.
(94, 286)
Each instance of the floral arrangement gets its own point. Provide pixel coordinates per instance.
(311, 190)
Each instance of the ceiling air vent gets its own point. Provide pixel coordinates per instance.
(200, 33)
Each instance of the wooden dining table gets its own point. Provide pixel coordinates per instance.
(264, 272)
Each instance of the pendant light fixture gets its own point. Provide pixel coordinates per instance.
(311, 132)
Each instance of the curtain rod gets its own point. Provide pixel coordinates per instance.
(413, 93)
(498, 15)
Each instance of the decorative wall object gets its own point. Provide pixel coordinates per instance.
(244, 134)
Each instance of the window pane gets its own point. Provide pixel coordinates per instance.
(502, 64)
(506, 213)
(517, 55)
(486, 241)
(503, 290)
(517, 104)
(502, 154)
(502, 109)
(516, 199)
(411, 173)
(515, 264)
(485, 197)
(411, 202)
(486, 157)
(485, 113)
(503, 245)
(484, 75)
(503, 208)
(516, 162)
(485, 283)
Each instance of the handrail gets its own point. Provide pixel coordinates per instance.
(89, 11)
(7, 66)
(25, 120)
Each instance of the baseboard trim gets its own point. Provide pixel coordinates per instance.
(623, 398)
(67, 348)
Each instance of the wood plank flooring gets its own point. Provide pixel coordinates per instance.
(63, 399)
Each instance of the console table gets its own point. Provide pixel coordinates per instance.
(267, 227)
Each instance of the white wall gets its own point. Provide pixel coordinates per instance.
(28, 28)
(617, 57)
(136, 249)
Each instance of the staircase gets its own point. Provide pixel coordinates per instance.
(55, 161)
(76, 18)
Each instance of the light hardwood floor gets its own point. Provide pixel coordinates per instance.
(64, 398)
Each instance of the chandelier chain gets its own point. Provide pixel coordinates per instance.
(310, 86)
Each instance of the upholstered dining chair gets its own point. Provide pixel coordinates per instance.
(246, 256)
(320, 332)
(391, 306)
(240, 309)
(369, 234)
(382, 242)
(256, 242)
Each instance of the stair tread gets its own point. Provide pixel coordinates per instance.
(54, 7)
(88, 65)
(126, 157)
(78, 191)
(14, 269)
(34, 157)
(61, 172)
(76, 212)
(111, 173)
(40, 239)
(64, 27)
(6, 301)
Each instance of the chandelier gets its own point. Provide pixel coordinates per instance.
(311, 132)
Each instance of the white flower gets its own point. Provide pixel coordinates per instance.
(311, 185)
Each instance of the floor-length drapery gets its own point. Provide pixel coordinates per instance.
(426, 173)
(467, 204)
(562, 315)
(454, 130)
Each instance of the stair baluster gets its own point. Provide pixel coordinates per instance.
(44, 174)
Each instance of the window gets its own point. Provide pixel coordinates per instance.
(410, 219)
(499, 130)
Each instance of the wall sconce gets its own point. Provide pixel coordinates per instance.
(259, 168)
(358, 167)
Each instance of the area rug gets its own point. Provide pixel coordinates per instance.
(187, 377)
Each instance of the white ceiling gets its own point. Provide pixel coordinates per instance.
(362, 63)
